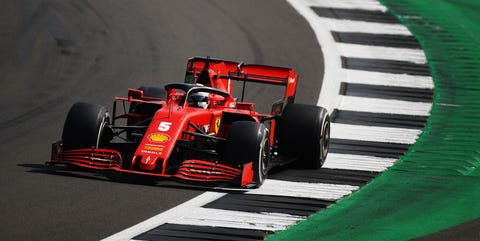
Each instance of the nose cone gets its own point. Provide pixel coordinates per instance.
(148, 163)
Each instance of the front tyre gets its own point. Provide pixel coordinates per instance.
(84, 126)
(248, 141)
(304, 134)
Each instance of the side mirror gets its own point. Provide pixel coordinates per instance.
(134, 93)
(277, 107)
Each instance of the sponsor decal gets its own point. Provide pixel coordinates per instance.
(151, 152)
(152, 144)
(217, 124)
(153, 148)
(159, 137)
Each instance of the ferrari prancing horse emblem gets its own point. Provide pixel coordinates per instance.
(217, 124)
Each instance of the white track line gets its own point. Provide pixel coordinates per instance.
(174, 213)
(333, 73)
(374, 133)
(358, 162)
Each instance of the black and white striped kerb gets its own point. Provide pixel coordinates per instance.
(356, 15)
(387, 92)
(269, 204)
(385, 40)
(379, 119)
(178, 232)
(385, 66)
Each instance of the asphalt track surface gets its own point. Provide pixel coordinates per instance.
(55, 53)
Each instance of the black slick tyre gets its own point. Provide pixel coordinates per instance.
(304, 135)
(84, 126)
(248, 141)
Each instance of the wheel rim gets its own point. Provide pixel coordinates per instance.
(325, 139)
(105, 120)
(263, 159)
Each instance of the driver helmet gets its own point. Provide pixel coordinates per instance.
(199, 99)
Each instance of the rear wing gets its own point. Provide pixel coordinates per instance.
(219, 73)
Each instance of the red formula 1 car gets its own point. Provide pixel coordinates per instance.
(196, 130)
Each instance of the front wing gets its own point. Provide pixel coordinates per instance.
(190, 170)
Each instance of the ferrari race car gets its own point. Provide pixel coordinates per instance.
(196, 130)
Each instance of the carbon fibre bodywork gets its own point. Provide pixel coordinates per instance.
(165, 136)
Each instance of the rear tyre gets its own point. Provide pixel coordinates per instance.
(304, 134)
(248, 141)
(84, 126)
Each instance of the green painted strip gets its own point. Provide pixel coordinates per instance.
(436, 185)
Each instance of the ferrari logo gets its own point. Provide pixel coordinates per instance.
(147, 160)
(217, 124)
